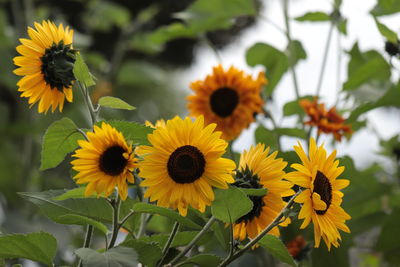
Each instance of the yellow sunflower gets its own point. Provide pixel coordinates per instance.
(159, 123)
(321, 198)
(231, 99)
(183, 164)
(257, 169)
(46, 62)
(105, 161)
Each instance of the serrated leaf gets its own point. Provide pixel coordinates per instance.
(82, 73)
(275, 62)
(60, 139)
(118, 257)
(152, 209)
(40, 247)
(223, 208)
(149, 252)
(135, 132)
(114, 102)
(202, 260)
(277, 249)
(82, 220)
(314, 16)
(390, 35)
(254, 192)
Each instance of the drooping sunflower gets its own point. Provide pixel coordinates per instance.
(105, 161)
(321, 197)
(46, 62)
(326, 121)
(184, 163)
(228, 98)
(257, 169)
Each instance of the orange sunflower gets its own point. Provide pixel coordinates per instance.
(326, 121)
(46, 62)
(229, 98)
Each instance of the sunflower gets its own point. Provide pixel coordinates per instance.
(105, 161)
(46, 63)
(321, 198)
(159, 123)
(231, 99)
(326, 121)
(183, 164)
(258, 170)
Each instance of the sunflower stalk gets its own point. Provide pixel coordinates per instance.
(116, 205)
(86, 97)
(193, 242)
(169, 242)
(88, 240)
(274, 223)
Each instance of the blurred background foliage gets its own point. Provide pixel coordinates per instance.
(135, 49)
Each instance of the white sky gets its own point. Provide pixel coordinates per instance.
(361, 27)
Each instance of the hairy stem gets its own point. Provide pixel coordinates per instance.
(169, 242)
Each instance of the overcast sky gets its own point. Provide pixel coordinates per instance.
(361, 27)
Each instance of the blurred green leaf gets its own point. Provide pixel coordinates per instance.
(135, 132)
(117, 256)
(390, 35)
(153, 209)
(180, 239)
(294, 108)
(82, 220)
(365, 67)
(114, 102)
(386, 7)
(296, 52)
(260, 192)
(40, 247)
(267, 137)
(314, 16)
(293, 132)
(78, 192)
(387, 243)
(277, 249)
(202, 260)
(275, 62)
(149, 252)
(81, 71)
(107, 15)
(60, 139)
(222, 207)
(342, 26)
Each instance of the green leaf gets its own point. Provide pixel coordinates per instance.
(275, 62)
(342, 26)
(118, 256)
(386, 7)
(181, 238)
(294, 108)
(82, 220)
(60, 139)
(390, 35)
(277, 249)
(81, 71)
(267, 137)
(114, 102)
(94, 208)
(314, 16)
(390, 229)
(135, 132)
(230, 204)
(78, 192)
(149, 252)
(107, 15)
(296, 52)
(293, 132)
(152, 209)
(259, 192)
(40, 247)
(203, 260)
(365, 68)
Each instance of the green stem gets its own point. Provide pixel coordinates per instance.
(194, 241)
(88, 240)
(278, 137)
(116, 204)
(213, 48)
(86, 97)
(169, 242)
(290, 41)
(324, 59)
(254, 241)
(121, 223)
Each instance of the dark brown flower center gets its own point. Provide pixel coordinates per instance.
(57, 66)
(186, 164)
(112, 161)
(246, 179)
(223, 101)
(323, 187)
